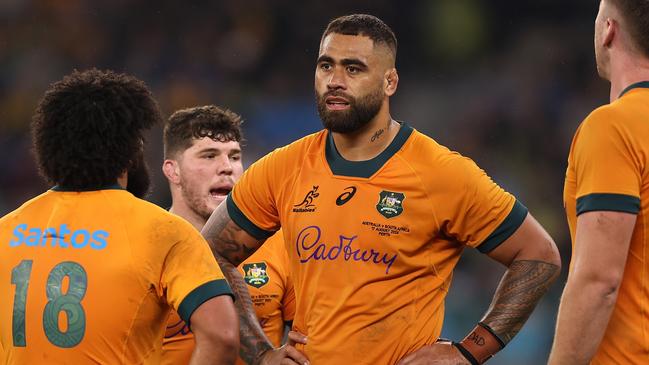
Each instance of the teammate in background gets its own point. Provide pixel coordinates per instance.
(375, 216)
(89, 272)
(604, 312)
(202, 163)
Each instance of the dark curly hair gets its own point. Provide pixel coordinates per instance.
(88, 128)
(365, 25)
(221, 125)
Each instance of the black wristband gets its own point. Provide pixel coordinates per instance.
(485, 326)
(466, 353)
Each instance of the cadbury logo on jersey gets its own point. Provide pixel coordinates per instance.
(309, 247)
(307, 203)
(63, 237)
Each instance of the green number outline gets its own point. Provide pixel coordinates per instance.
(20, 277)
(69, 302)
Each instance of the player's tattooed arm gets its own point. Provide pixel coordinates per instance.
(520, 290)
(230, 246)
(533, 264)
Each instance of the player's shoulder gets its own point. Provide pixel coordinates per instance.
(302, 146)
(162, 219)
(432, 154)
(616, 115)
(32, 205)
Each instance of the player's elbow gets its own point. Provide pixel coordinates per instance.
(601, 285)
(542, 248)
(219, 340)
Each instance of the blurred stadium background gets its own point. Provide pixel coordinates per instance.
(505, 83)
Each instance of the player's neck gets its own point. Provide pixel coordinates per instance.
(368, 142)
(627, 71)
(179, 208)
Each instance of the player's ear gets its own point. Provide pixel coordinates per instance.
(610, 32)
(171, 170)
(391, 81)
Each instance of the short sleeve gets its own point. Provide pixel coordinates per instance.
(477, 212)
(606, 166)
(288, 301)
(191, 274)
(251, 204)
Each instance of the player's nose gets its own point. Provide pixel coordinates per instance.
(224, 166)
(337, 80)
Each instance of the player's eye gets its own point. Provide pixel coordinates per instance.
(324, 66)
(353, 70)
(209, 156)
(235, 157)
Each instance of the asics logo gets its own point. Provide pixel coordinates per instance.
(346, 196)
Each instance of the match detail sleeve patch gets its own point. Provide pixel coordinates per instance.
(511, 223)
(242, 221)
(200, 295)
(608, 202)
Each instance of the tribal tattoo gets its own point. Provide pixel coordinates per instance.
(518, 293)
(220, 232)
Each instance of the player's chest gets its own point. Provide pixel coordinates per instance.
(331, 219)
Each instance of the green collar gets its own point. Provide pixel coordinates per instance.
(642, 84)
(105, 187)
(341, 167)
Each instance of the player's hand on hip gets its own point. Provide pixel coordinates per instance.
(287, 354)
(439, 353)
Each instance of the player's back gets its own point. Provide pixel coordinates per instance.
(80, 278)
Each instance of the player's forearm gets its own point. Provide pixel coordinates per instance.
(224, 238)
(585, 310)
(521, 288)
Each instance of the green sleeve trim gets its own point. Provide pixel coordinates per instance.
(242, 221)
(505, 229)
(608, 202)
(202, 294)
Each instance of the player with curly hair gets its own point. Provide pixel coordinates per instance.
(90, 272)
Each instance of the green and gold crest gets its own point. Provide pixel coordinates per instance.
(390, 203)
(255, 274)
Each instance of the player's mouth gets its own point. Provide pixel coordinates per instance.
(220, 193)
(336, 103)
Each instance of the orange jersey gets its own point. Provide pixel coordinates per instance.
(267, 274)
(90, 277)
(608, 170)
(372, 244)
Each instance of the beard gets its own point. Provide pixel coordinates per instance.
(195, 200)
(139, 178)
(361, 111)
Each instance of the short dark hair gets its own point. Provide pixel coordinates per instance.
(219, 124)
(636, 15)
(365, 25)
(88, 128)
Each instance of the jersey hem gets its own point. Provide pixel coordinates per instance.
(242, 221)
(202, 294)
(511, 223)
(608, 202)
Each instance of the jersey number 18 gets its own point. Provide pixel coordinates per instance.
(70, 303)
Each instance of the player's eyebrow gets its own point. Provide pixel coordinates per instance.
(344, 61)
(219, 151)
